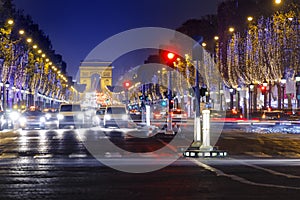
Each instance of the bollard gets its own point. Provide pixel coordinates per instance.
(148, 115)
(206, 131)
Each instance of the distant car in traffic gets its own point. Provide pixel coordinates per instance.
(178, 115)
(51, 118)
(274, 115)
(70, 115)
(116, 116)
(32, 119)
(99, 117)
(8, 119)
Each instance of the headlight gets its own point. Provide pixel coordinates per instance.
(107, 117)
(124, 117)
(22, 120)
(14, 115)
(42, 119)
(48, 116)
(60, 116)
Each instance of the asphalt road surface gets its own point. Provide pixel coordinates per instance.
(55, 164)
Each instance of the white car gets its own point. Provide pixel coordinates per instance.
(70, 115)
(116, 116)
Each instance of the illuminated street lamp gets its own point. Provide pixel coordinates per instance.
(231, 29)
(251, 88)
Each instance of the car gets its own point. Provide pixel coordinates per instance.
(273, 115)
(116, 116)
(98, 119)
(70, 115)
(51, 118)
(7, 119)
(178, 115)
(32, 119)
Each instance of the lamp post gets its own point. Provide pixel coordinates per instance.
(22, 97)
(27, 97)
(2, 97)
(265, 85)
(6, 86)
(13, 96)
(238, 89)
(283, 82)
(221, 99)
(231, 90)
(251, 88)
(298, 90)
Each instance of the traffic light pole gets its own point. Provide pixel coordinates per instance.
(197, 124)
(169, 118)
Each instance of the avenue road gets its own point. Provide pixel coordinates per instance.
(55, 164)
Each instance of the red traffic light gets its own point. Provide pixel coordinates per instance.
(126, 84)
(171, 56)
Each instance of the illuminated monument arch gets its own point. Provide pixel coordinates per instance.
(96, 75)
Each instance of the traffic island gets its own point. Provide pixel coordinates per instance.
(203, 149)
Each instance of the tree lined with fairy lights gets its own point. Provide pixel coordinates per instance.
(267, 51)
(21, 63)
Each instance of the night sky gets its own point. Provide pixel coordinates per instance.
(76, 27)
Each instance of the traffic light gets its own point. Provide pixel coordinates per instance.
(126, 84)
(169, 58)
(263, 90)
(163, 103)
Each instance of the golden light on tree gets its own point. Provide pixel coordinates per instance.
(21, 32)
(277, 1)
(250, 18)
(10, 22)
(231, 29)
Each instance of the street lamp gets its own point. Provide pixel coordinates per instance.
(283, 82)
(231, 90)
(265, 86)
(13, 97)
(238, 89)
(221, 99)
(2, 90)
(6, 86)
(251, 88)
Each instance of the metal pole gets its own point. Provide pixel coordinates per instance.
(169, 118)
(197, 124)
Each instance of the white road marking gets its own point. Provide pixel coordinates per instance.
(238, 178)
